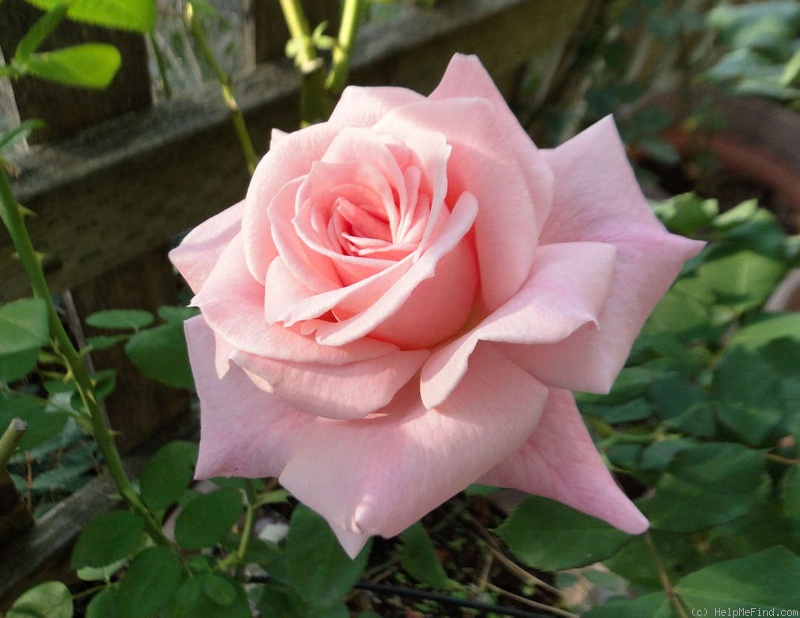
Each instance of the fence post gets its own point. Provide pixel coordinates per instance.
(138, 408)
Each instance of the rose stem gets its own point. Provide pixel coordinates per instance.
(226, 83)
(10, 440)
(11, 215)
(342, 52)
(315, 104)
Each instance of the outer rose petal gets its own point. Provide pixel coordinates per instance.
(466, 77)
(243, 430)
(381, 474)
(560, 462)
(346, 391)
(597, 199)
(363, 107)
(199, 251)
(565, 290)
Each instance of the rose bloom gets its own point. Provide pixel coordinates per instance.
(407, 296)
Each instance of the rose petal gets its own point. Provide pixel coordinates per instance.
(559, 461)
(199, 251)
(380, 474)
(466, 77)
(363, 107)
(243, 430)
(289, 158)
(243, 326)
(345, 391)
(483, 164)
(410, 314)
(566, 289)
(603, 203)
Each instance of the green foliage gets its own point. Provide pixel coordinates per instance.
(764, 56)
(167, 475)
(23, 326)
(133, 15)
(47, 600)
(311, 541)
(122, 319)
(208, 518)
(419, 559)
(550, 536)
(89, 65)
(160, 353)
(109, 537)
(149, 584)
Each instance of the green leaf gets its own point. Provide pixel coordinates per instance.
(791, 70)
(134, 15)
(88, 65)
(682, 405)
(122, 319)
(17, 365)
(311, 541)
(23, 325)
(550, 536)
(104, 573)
(103, 605)
(39, 31)
(42, 425)
(149, 583)
(634, 410)
(683, 310)
(208, 518)
(177, 315)
(790, 500)
(167, 475)
(765, 581)
(767, 328)
(747, 392)
(192, 600)
(107, 538)
(160, 353)
(707, 485)
(419, 559)
(743, 279)
(12, 136)
(47, 600)
(687, 213)
(655, 605)
(219, 590)
(676, 552)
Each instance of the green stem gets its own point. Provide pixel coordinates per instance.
(342, 53)
(10, 440)
(249, 520)
(12, 217)
(299, 31)
(226, 84)
(672, 595)
(315, 104)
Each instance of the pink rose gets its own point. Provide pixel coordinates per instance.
(405, 300)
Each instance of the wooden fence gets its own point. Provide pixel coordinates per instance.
(115, 178)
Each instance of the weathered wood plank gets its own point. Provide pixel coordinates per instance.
(119, 189)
